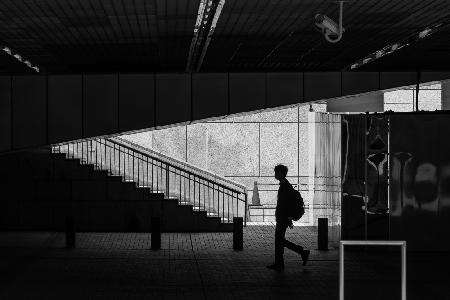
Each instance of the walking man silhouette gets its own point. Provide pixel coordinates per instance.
(283, 221)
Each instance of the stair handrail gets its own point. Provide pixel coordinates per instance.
(187, 167)
(230, 195)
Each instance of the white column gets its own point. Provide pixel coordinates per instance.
(311, 164)
(445, 95)
(371, 102)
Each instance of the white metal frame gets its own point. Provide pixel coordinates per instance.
(371, 243)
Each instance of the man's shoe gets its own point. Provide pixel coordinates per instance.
(276, 267)
(305, 256)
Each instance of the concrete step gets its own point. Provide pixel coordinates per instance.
(123, 202)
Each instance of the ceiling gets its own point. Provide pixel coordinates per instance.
(251, 35)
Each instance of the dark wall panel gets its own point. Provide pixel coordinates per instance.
(247, 92)
(29, 111)
(173, 98)
(209, 95)
(390, 80)
(284, 89)
(420, 175)
(64, 108)
(136, 101)
(322, 85)
(359, 82)
(434, 76)
(100, 105)
(5, 113)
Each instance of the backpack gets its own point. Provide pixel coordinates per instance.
(297, 209)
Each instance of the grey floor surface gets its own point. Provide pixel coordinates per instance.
(35, 265)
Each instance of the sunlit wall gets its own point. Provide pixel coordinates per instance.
(404, 100)
(245, 148)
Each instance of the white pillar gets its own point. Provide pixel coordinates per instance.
(445, 95)
(311, 164)
(371, 102)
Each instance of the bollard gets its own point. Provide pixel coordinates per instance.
(156, 233)
(70, 232)
(238, 233)
(322, 234)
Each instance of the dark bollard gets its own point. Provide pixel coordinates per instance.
(238, 233)
(322, 234)
(156, 233)
(70, 232)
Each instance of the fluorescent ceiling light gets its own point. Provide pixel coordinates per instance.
(20, 58)
(391, 48)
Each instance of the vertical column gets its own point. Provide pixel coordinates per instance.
(156, 233)
(70, 232)
(238, 233)
(311, 164)
(445, 95)
(322, 234)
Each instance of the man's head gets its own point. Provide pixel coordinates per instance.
(280, 171)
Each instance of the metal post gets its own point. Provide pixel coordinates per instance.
(110, 168)
(322, 234)
(404, 271)
(156, 233)
(105, 161)
(372, 243)
(341, 271)
(238, 234)
(366, 198)
(167, 181)
(70, 232)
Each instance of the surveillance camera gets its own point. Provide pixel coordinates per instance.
(327, 26)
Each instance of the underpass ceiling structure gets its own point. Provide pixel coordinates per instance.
(250, 35)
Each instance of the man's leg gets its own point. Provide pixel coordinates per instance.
(299, 249)
(280, 231)
(294, 247)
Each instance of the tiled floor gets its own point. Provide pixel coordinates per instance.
(203, 266)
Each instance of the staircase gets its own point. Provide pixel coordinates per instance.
(141, 183)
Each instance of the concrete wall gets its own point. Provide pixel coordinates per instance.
(244, 148)
(106, 104)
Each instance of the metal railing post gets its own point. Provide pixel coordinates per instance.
(238, 234)
(182, 172)
(156, 233)
(70, 232)
(404, 271)
(167, 181)
(341, 271)
(372, 243)
(245, 208)
(322, 234)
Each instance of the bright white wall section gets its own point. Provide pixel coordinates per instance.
(246, 148)
(403, 100)
(400, 100)
(371, 102)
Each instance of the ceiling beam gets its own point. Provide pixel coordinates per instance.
(209, 12)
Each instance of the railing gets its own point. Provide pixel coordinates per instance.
(402, 244)
(218, 196)
(266, 212)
